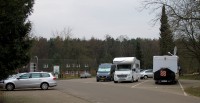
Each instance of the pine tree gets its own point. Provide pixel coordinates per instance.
(166, 37)
(14, 35)
(139, 53)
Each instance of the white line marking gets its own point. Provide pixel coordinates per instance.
(139, 84)
(182, 88)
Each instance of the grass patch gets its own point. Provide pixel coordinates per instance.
(190, 77)
(195, 91)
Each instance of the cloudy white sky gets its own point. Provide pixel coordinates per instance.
(93, 18)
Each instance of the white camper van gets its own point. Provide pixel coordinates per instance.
(127, 69)
(165, 69)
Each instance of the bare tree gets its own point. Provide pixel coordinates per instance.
(184, 17)
(66, 33)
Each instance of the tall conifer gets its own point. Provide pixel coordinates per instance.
(166, 37)
(14, 35)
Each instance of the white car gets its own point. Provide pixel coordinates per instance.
(85, 75)
(42, 80)
(148, 73)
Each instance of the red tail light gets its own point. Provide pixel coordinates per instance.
(54, 78)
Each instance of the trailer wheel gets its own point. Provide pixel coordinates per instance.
(115, 81)
(174, 82)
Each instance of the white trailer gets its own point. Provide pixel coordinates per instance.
(127, 69)
(165, 69)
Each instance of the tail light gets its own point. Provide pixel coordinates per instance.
(54, 78)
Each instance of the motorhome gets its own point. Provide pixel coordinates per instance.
(165, 69)
(105, 72)
(127, 69)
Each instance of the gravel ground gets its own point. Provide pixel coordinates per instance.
(38, 96)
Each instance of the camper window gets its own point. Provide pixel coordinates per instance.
(123, 67)
(137, 66)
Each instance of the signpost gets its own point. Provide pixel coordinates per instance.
(32, 67)
(56, 70)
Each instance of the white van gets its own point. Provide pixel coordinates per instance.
(127, 69)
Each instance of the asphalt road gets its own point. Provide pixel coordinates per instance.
(144, 91)
(90, 91)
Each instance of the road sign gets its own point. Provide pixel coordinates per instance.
(32, 67)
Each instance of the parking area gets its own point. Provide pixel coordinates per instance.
(53, 95)
(89, 91)
(149, 84)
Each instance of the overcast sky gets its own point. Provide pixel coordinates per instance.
(93, 18)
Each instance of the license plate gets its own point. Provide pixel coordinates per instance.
(102, 78)
(164, 81)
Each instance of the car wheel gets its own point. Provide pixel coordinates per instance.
(115, 81)
(10, 87)
(132, 80)
(97, 80)
(137, 80)
(156, 82)
(44, 86)
(145, 77)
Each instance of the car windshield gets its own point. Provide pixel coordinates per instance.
(141, 70)
(149, 70)
(123, 67)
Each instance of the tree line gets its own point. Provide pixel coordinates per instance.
(104, 51)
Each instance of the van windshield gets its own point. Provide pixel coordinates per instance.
(123, 67)
(104, 68)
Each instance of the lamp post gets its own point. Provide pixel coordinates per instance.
(36, 62)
